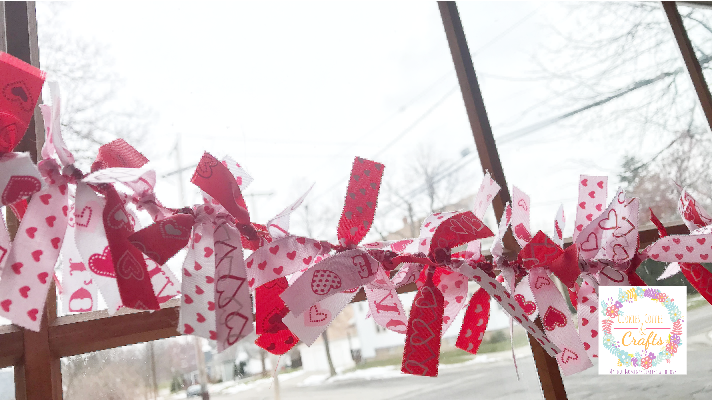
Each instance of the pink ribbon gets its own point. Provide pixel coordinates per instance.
(21, 85)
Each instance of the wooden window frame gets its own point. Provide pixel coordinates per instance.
(35, 356)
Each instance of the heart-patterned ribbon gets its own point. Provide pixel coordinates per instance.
(34, 252)
(558, 322)
(101, 225)
(686, 252)
(422, 344)
(215, 302)
(607, 242)
(440, 233)
(540, 257)
(266, 274)
(21, 85)
(475, 322)
(233, 306)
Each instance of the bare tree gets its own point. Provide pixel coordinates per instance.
(92, 112)
(618, 65)
(116, 374)
(429, 184)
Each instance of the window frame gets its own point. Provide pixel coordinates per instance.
(36, 356)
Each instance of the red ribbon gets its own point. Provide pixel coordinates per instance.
(130, 267)
(21, 88)
(422, 344)
(216, 180)
(274, 337)
(475, 322)
(360, 204)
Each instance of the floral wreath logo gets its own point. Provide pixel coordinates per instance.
(613, 309)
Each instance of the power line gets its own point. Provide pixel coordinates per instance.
(508, 137)
(438, 103)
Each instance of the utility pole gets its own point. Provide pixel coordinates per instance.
(275, 376)
(202, 373)
(200, 356)
(152, 358)
(253, 212)
(324, 335)
(179, 171)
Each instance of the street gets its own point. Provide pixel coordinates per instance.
(495, 379)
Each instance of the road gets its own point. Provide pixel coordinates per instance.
(497, 380)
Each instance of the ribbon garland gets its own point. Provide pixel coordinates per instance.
(301, 284)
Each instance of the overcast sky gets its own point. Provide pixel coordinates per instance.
(293, 91)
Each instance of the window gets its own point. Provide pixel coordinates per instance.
(294, 92)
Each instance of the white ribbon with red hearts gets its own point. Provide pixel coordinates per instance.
(557, 321)
(19, 178)
(593, 191)
(233, 306)
(24, 285)
(384, 304)
(79, 293)
(587, 314)
(520, 217)
(197, 311)
(509, 305)
(91, 242)
(282, 257)
(344, 271)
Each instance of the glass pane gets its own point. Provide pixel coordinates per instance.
(7, 383)
(293, 92)
(697, 24)
(128, 372)
(567, 94)
(598, 89)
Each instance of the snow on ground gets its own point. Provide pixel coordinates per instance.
(393, 371)
(237, 387)
(367, 374)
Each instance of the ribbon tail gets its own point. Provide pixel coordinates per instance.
(453, 286)
(197, 312)
(131, 269)
(233, 305)
(162, 240)
(93, 246)
(422, 342)
(360, 203)
(588, 316)
(275, 336)
(509, 305)
(557, 320)
(5, 244)
(384, 304)
(700, 278)
(79, 292)
(31, 260)
(475, 322)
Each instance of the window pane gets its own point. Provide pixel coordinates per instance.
(598, 89)
(697, 24)
(568, 95)
(7, 383)
(293, 92)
